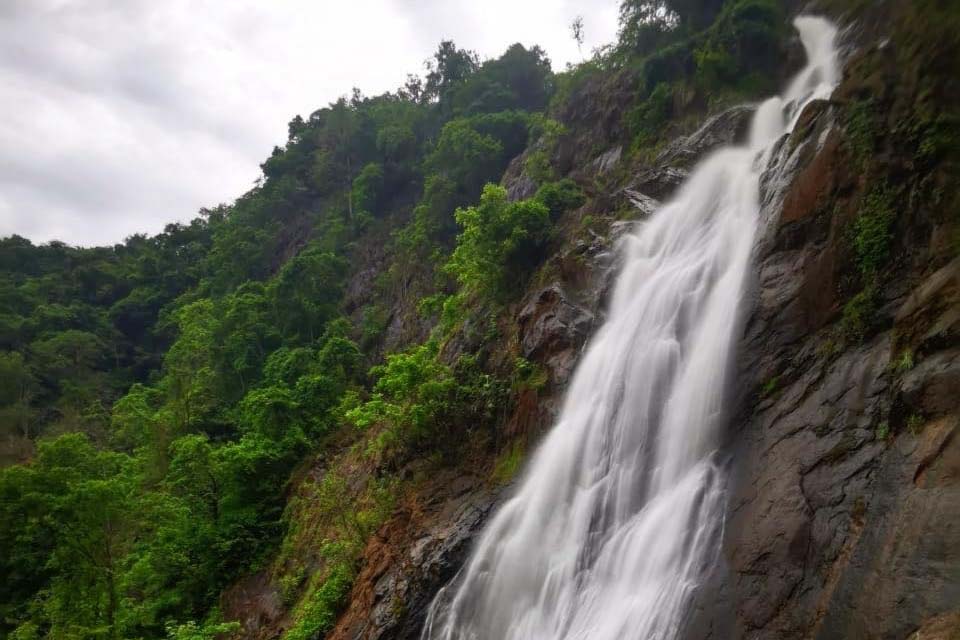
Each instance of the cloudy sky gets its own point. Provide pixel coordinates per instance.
(118, 116)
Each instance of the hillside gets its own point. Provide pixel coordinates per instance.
(292, 417)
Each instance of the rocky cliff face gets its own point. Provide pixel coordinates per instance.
(427, 540)
(845, 462)
(843, 519)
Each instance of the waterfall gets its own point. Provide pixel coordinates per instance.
(618, 518)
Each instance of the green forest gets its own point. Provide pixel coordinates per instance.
(166, 403)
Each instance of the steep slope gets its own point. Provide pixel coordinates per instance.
(843, 520)
(843, 447)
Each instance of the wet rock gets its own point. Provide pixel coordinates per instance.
(659, 182)
(932, 388)
(725, 128)
(929, 318)
(518, 184)
(644, 203)
(673, 164)
(418, 551)
(606, 161)
(552, 330)
(843, 464)
(595, 117)
(521, 188)
(939, 628)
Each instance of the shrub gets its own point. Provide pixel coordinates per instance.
(319, 612)
(715, 66)
(547, 132)
(647, 118)
(769, 387)
(915, 423)
(861, 129)
(859, 314)
(431, 306)
(872, 233)
(410, 400)
(537, 166)
(465, 155)
(373, 325)
(667, 65)
(904, 362)
(883, 430)
(528, 375)
(192, 631)
(453, 312)
(367, 187)
(420, 403)
(500, 243)
(560, 197)
(746, 35)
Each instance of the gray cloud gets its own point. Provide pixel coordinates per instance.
(119, 117)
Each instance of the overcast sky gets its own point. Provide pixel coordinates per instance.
(119, 116)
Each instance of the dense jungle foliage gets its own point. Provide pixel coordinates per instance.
(161, 400)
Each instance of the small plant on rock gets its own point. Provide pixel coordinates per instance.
(915, 423)
(883, 430)
(904, 362)
(859, 314)
(769, 387)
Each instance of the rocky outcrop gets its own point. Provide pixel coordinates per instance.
(425, 542)
(552, 329)
(418, 551)
(673, 164)
(843, 519)
(727, 127)
(845, 461)
(256, 603)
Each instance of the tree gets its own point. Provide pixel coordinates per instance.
(195, 474)
(519, 79)
(85, 501)
(336, 140)
(190, 380)
(576, 30)
(466, 156)
(69, 353)
(17, 391)
(450, 67)
(367, 187)
(247, 332)
(306, 292)
(136, 422)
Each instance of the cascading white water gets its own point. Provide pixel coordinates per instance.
(619, 516)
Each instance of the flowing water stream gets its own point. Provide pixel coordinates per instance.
(619, 516)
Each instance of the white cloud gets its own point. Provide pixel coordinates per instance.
(119, 117)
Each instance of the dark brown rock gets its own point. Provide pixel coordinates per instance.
(673, 164)
(845, 466)
(414, 554)
(552, 329)
(256, 604)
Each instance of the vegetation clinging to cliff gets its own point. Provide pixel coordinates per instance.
(182, 389)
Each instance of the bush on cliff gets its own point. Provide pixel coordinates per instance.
(501, 241)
